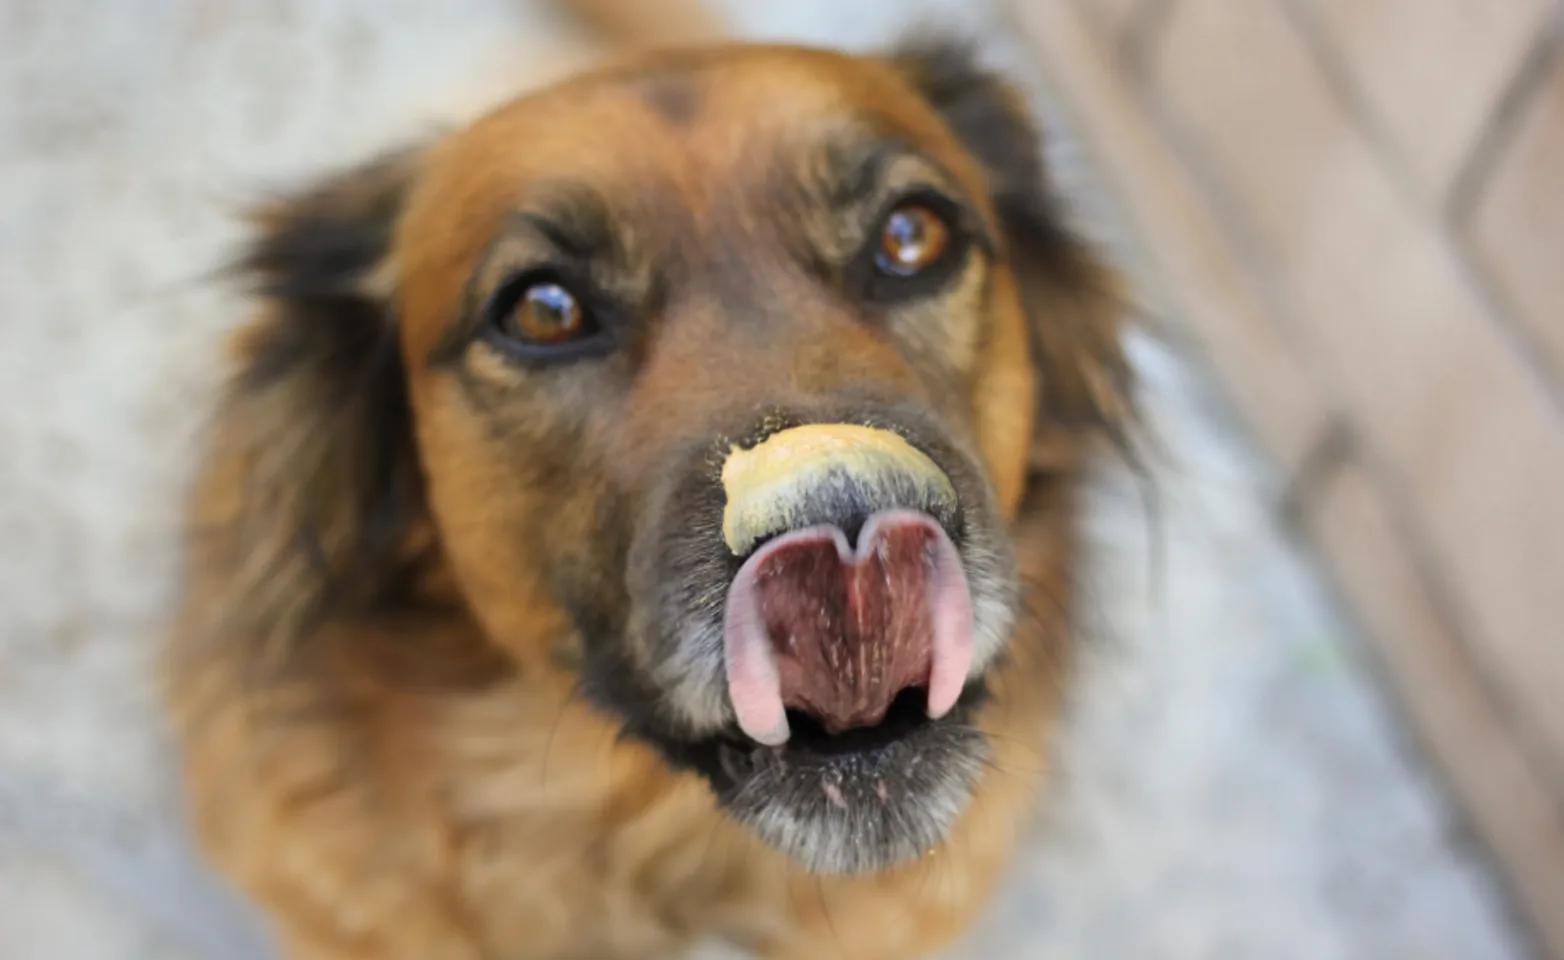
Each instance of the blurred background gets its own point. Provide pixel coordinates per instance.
(1323, 710)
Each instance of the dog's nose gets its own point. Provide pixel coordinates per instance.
(777, 485)
(817, 623)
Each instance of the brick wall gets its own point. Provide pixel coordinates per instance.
(1356, 209)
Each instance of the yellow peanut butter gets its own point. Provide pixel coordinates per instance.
(767, 484)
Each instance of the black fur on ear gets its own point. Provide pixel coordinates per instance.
(1074, 302)
(311, 505)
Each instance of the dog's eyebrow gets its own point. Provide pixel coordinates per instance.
(858, 172)
(575, 222)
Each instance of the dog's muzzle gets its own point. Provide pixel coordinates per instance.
(851, 590)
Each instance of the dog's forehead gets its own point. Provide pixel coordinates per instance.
(706, 100)
(660, 139)
(681, 121)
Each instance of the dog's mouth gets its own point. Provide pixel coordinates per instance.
(836, 629)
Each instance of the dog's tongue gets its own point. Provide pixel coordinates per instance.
(815, 625)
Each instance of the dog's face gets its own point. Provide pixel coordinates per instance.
(715, 379)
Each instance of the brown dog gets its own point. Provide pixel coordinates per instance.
(647, 514)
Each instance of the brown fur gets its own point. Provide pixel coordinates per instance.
(377, 694)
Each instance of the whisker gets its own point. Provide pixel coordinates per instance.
(548, 747)
(825, 911)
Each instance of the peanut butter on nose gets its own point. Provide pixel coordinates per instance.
(767, 485)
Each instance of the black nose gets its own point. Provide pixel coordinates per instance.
(852, 526)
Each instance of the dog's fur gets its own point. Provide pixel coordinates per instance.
(425, 711)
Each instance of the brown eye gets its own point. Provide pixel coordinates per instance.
(912, 240)
(548, 314)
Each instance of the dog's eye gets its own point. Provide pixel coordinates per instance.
(546, 314)
(543, 317)
(912, 239)
(916, 245)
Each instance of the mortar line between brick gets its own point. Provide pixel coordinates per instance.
(1501, 128)
(1521, 95)
(1144, 28)
(1515, 333)
(1319, 465)
(1349, 94)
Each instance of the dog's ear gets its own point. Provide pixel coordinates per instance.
(311, 504)
(1075, 304)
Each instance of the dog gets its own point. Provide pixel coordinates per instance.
(649, 513)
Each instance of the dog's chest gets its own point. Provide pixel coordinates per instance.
(566, 841)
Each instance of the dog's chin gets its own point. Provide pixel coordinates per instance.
(857, 802)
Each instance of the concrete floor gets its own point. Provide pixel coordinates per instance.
(1233, 784)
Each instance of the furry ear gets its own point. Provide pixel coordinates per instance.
(1075, 304)
(311, 504)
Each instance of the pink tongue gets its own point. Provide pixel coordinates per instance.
(837, 633)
